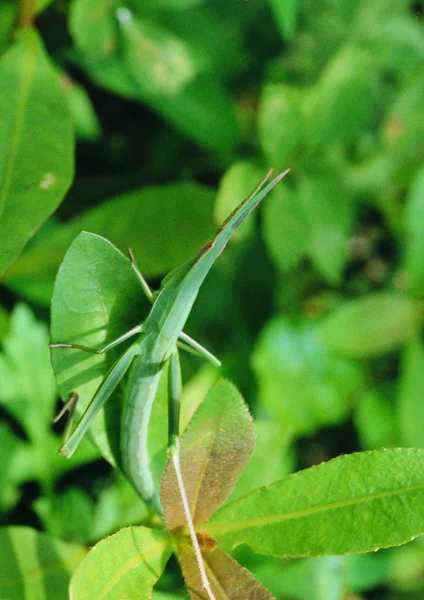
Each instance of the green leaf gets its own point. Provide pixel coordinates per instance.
(123, 566)
(33, 565)
(285, 228)
(87, 126)
(411, 390)
(158, 61)
(34, 175)
(215, 448)
(285, 14)
(371, 325)
(96, 298)
(238, 182)
(328, 213)
(354, 503)
(340, 105)
(265, 467)
(93, 26)
(375, 419)
(8, 15)
(149, 220)
(27, 385)
(229, 580)
(300, 383)
(280, 123)
(414, 219)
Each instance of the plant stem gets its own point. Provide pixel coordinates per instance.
(27, 12)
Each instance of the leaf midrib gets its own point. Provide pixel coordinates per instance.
(28, 69)
(224, 528)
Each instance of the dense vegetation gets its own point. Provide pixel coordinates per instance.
(147, 123)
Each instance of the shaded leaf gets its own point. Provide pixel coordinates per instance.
(123, 566)
(375, 419)
(340, 106)
(411, 392)
(300, 383)
(96, 298)
(371, 325)
(328, 213)
(34, 177)
(228, 579)
(414, 219)
(86, 124)
(33, 565)
(354, 503)
(214, 450)
(280, 123)
(285, 228)
(149, 220)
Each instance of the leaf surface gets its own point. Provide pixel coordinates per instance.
(123, 566)
(214, 450)
(354, 503)
(36, 144)
(96, 298)
(411, 392)
(300, 383)
(414, 259)
(34, 565)
(228, 579)
(371, 325)
(149, 220)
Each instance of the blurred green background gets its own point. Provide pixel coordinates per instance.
(179, 108)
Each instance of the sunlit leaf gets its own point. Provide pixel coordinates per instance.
(86, 124)
(300, 383)
(93, 26)
(123, 566)
(285, 14)
(33, 565)
(228, 579)
(354, 503)
(35, 176)
(149, 220)
(27, 385)
(214, 450)
(371, 325)
(375, 419)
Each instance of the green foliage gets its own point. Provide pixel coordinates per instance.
(178, 109)
(36, 153)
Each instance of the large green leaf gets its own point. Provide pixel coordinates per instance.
(96, 298)
(300, 383)
(163, 225)
(124, 566)
(228, 579)
(36, 148)
(33, 565)
(215, 448)
(354, 503)
(371, 325)
(411, 393)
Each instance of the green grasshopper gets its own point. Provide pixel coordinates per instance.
(159, 338)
